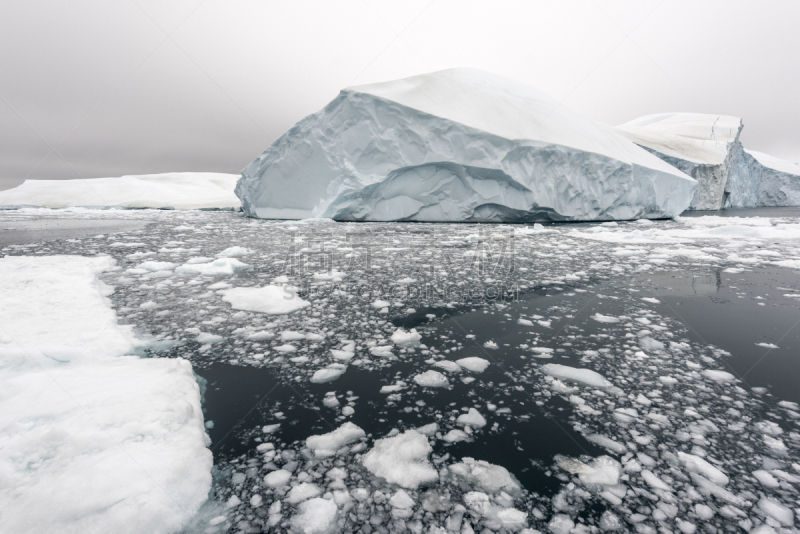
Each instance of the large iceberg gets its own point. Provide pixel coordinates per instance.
(176, 190)
(704, 146)
(457, 145)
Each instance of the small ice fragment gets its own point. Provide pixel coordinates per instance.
(432, 379)
(473, 364)
(402, 460)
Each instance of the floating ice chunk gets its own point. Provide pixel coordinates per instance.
(401, 499)
(490, 345)
(286, 348)
(447, 365)
(277, 479)
(290, 335)
(330, 276)
(235, 252)
(394, 388)
(209, 338)
(432, 379)
(342, 355)
(473, 364)
(585, 377)
(561, 524)
(455, 435)
(402, 460)
(382, 351)
(600, 318)
(380, 304)
(316, 516)
(218, 267)
(604, 471)
(327, 444)
(273, 300)
(608, 443)
(766, 479)
(154, 266)
(667, 380)
(650, 345)
(542, 352)
(777, 511)
(651, 300)
(654, 481)
(472, 418)
(302, 492)
(768, 345)
(488, 477)
(699, 465)
(329, 374)
(719, 376)
(512, 519)
(429, 430)
(478, 502)
(406, 339)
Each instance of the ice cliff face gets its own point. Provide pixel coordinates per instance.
(775, 182)
(457, 145)
(706, 147)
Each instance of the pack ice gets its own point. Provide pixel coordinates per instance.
(707, 148)
(457, 145)
(176, 190)
(92, 440)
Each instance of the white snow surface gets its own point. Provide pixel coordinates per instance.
(457, 145)
(273, 300)
(402, 460)
(94, 441)
(178, 190)
(696, 137)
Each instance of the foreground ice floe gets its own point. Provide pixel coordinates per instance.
(92, 440)
(457, 145)
(176, 190)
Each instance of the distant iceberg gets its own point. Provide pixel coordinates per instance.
(457, 145)
(175, 190)
(777, 181)
(707, 148)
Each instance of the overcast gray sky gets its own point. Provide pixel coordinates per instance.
(93, 88)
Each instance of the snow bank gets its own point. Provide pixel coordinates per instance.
(177, 190)
(95, 441)
(402, 460)
(273, 300)
(704, 146)
(457, 145)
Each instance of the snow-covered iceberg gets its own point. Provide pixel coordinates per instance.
(91, 440)
(457, 145)
(176, 190)
(704, 146)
